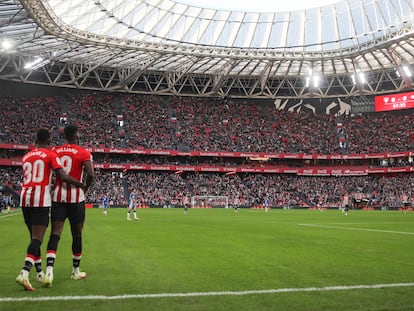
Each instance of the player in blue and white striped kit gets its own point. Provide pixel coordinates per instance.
(132, 205)
(266, 203)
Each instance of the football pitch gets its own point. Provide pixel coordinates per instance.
(216, 259)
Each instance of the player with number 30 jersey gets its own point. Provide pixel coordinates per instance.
(38, 166)
(35, 200)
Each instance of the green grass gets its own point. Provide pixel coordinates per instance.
(214, 250)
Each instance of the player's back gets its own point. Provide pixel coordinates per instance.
(72, 158)
(38, 165)
(132, 199)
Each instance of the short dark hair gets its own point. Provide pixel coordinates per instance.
(42, 136)
(70, 131)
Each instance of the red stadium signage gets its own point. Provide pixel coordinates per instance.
(322, 171)
(300, 156)
(312, 171)
(394, 101)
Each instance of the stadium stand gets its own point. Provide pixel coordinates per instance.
(187, 124)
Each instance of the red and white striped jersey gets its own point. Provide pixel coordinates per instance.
(404, 198)
(345, 200)
(72, 158)
(38, 166)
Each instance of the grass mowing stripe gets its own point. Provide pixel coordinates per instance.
(204, 294)
(357, 229)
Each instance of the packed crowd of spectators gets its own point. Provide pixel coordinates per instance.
(96, 117)
(166, 189)
(168, 123)
(158, 188)
(234, 126)
(21, 117)
(153, 122)
(107, 184)
(389, 190)
(147, 122)
(11, 177)
(203, 124)
(385, 132)
(263, 128)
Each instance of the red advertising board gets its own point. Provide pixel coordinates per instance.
(394, 101)
(300, 156)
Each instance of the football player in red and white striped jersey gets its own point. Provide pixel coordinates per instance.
(35, 200)
(69, 202)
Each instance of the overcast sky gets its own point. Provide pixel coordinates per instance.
(258, 5)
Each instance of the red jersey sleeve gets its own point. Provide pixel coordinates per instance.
(54, 160)
(87, 156)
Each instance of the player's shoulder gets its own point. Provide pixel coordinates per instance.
(80, 148)
(49, 152)
(84, 151)
(74, 149)
(38, 153)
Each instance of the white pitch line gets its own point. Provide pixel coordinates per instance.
(9, 215)
(204, 294)
(357, 229)
(370, 223)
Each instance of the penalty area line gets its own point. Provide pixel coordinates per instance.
(204, 294)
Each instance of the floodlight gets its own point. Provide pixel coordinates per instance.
(30, 65)
(397, 73)
(307, 81)
(353, 79)
(362, 78)
(407, 71)
(6, 45)
(359, 77)
(316, 80)
(37, 63)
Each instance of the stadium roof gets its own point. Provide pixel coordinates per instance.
(343, 48)
(258, 5)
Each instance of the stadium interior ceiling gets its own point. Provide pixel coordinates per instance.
(343, 49)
